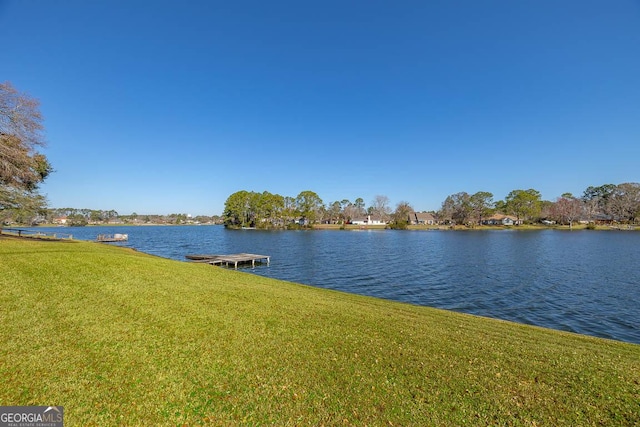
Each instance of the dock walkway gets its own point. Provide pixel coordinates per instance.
(234, 259)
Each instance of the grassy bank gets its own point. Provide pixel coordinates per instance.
(122, 338)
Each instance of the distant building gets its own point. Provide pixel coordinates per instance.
(61, 220)
(500, 219)
(421, 218)
(367, 221)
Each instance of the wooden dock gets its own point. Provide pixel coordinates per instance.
(227, 260)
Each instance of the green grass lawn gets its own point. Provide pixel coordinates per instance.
(118, 337)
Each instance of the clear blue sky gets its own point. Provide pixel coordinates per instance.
(171, 106)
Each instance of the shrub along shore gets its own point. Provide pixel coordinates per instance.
(119, 337)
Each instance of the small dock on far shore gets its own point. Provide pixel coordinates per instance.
(227, 260)
(112, 237)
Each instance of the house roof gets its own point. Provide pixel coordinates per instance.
(500, 217)
(424, 216)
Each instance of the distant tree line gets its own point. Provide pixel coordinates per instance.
(607, 203)
(81, 217)
(267, 210)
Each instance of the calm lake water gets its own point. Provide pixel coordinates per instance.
(581, 281)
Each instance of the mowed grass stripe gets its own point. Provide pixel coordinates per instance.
(123, 338)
